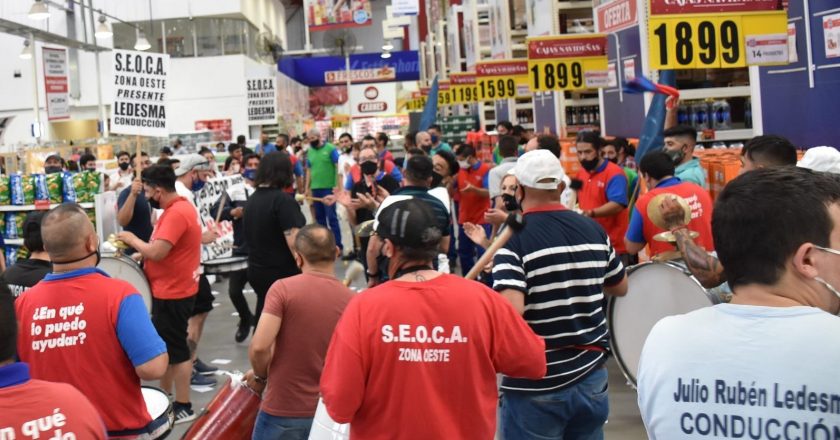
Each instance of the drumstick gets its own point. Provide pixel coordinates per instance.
(222, 201)
(301, 197)
(514, 222)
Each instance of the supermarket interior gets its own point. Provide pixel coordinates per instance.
(419, 219)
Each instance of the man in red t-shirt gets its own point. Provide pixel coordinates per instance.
(437, 340)
(602, 190)
(475, 201)
(24, 401)
(306, 307)
(657, 169)
(81, 327)
(172, 266)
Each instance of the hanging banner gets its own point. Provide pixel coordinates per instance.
(55, 83)
(139, 106)
(324, 15)
(462, 88)
(262, 100)
(209, 195)
(403, 65)
(405, 7)
(569, 62)
(502, 79)
(712, 34)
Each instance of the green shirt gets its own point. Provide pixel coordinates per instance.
(443, 146)
(322, 166)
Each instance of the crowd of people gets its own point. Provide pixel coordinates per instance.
(416, 354)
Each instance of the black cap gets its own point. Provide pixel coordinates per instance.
(410, 223)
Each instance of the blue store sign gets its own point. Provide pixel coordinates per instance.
(365, 68)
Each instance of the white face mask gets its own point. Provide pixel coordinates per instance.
(824, 282)
(463, 164)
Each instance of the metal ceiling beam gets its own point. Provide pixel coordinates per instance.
(23, 31)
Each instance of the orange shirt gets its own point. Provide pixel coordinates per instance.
(176, 275)
(608, 183)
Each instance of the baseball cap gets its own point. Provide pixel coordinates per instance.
(410, 223)
(539, 169)
(192, 162)
(822, 159)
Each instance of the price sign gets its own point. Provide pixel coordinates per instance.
(571, 62)
(463, 88)
(417, 102)
(711, 34)
(444, 94)
(499, 79)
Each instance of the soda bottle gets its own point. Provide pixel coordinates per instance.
(748, 113)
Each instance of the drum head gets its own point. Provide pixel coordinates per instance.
(124, 268)
(157, 403)
(655, 290)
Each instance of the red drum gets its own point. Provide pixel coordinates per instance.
(229, 416)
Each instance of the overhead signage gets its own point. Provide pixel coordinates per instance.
(463, 89)
(405, 7)
(416, 103)
(501, 79)
(361, 76)
(55, 83)
(139, 105)
(444, 97)
(262, 100)
(365, 68)
(343, 14)
(373, 99)
(568, 62)
(702, 34)
(616, 16)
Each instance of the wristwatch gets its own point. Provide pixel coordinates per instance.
(261, 380)
(373, 275)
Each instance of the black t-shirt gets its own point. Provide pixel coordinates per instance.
(386, 181)
(25, 274)
(141, 219)
(269, 213)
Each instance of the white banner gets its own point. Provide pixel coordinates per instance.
(262, 100)
(139, 93)
(204, 200)
(55, 83)
(405, 7)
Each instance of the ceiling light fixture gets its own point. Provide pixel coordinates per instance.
(39, 11)
(142, 43)
(388, 46)
(103, 30)
(385, 55)
(26, 53)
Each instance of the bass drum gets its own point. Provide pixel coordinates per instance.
(655, 290)
(126, 269)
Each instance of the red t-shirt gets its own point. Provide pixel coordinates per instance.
(421, 359)
(66, 410)
(176, 276)
(472, 206)
(701, 215)
(82, 348)
(309, 306)
(594, 194)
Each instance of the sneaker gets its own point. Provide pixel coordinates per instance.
(202, 381)
(242, 331)
(350, 256)
(204, 369)
(183, 412)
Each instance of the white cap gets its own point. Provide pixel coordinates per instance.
(822, 159)
(191, 162)
(539, 169)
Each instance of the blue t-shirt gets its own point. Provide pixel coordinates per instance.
(265, 149)
(635, 231)
(141, 219)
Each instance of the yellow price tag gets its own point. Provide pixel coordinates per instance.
(567, 62)
(463, 88)
(416, 104)
(701, 39)
(499, 79)
(444, 95)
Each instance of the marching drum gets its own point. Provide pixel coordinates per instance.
(163, 417)
(655, 290)
(225, 265)
(126, 269)
(229, 416)
(325, 428)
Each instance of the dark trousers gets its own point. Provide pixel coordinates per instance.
(236, 282)
(261, 279)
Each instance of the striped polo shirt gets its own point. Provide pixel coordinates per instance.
(561, 262)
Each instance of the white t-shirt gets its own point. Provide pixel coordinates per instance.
(120, 180)
(730, 370)
(345, 161)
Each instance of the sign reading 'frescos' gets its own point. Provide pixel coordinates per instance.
(567, 62)
(139, 105)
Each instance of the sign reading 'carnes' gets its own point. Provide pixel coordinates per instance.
(593, 46)
(262, 100)
(664, 7)
(139, 106)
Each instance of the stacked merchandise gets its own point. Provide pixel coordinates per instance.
(455, 128)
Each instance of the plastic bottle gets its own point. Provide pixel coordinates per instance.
(700, 113)
(721, 117)
(748, 113)
(683, 114)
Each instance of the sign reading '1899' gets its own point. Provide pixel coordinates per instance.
(709, 34)
(567, 62)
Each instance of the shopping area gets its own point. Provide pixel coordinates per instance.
(96, 91)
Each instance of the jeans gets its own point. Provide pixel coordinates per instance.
(326, 214)
(271, 427)
(468, 251)
(574, 413)
(236, 282)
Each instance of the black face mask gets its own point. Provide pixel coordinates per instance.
(613, 160)
(155, 204)
(510, 202)
(589, 165)
(96, 252)
(437, 179)
(314, 144)
(52, 170)
(369, 168)
(123, 166)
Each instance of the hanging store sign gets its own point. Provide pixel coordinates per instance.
(360, 76)
(325, 15)
(702, 34)
(405, 7)
(55, 83)
(364, 68)
(139, 105)
(501, 79)
(463, 89)
(416, 103)
(262, 100)
(616, 16)
(571, 62)
(444, 95)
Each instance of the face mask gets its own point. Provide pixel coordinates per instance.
(96, 252)
(123, 166)
(313, 144)
(436, 179)
(297, 148)
(613, 160)
(427, 148)
(369, 168)
(52, 170)
(829, 287)
(463, 164)
(250, 174)
(155, 204)
(589, 165)
(348, 150)
(510, 202)
(676, 156)
(197, 185)
(434, 139)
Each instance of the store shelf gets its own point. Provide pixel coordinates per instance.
(19, 208)
(714, 92)
(565, 6)
(728, 135)
(525, 106)
(581, 102)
